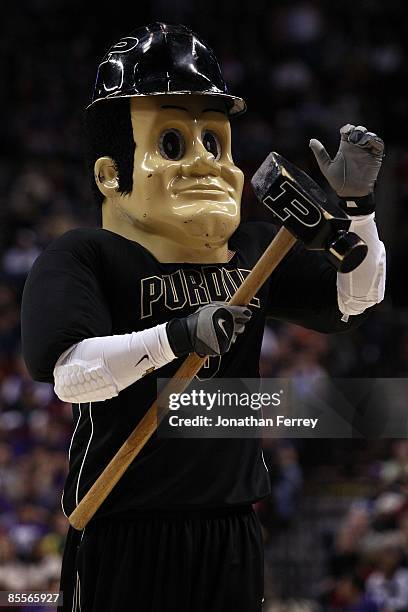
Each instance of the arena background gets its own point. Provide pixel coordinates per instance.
(336, 528)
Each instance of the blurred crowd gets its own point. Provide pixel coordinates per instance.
(352, 528)
(367, 553)
(305, 68)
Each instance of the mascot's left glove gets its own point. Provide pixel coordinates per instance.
(211, 330)
(354, 170)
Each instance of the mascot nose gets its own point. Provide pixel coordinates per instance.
(201, 162)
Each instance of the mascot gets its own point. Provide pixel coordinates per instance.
(108, 310)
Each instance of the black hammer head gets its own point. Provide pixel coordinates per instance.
(298, 203)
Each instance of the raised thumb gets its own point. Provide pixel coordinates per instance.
(320, 153)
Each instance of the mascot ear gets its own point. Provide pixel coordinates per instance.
(106, 176)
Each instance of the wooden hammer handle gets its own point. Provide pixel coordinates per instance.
(115, 469)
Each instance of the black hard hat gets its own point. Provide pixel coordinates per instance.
(162, 59)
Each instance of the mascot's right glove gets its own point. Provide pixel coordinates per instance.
(211, 330)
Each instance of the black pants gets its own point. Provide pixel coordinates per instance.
(186, 562)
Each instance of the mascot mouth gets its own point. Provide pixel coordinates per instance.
(201, 187)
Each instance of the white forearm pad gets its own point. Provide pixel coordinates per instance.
(364, 286)
(96, 369)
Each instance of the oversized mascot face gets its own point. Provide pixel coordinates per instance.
(185, 202)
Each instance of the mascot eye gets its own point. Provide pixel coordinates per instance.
(172, 145)
(212, 144)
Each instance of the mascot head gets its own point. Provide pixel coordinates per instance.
(160, 143)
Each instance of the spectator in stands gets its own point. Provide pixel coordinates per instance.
(350, 596)
(388, 584)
